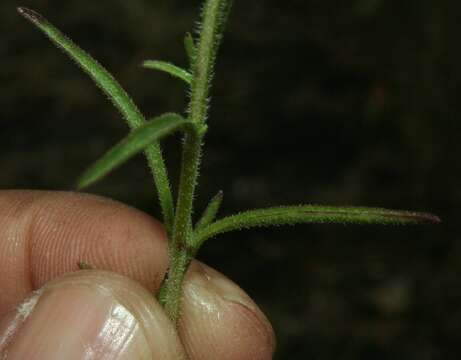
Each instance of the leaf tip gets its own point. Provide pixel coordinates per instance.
(82, 183)
(432, 219)
(31, 15)
(420, 218)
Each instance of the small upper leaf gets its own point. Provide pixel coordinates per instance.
(210, 212)
(226, 7)
(134, 143)
(169, 68)
(191, 48)
(312, 214)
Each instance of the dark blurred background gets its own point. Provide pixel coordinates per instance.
(332, 102)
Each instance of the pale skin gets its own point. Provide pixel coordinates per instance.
(51, 310)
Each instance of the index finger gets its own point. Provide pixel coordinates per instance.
(45, 234)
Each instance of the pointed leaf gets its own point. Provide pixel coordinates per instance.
(98, 73)
(169, 68)
(210, 212)
(312, 214)
(121, 100)
(225, 12)
(190, 47)
(134, 143)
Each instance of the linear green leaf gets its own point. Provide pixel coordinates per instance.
(290, 215)
(118, 96)
(191, 49)
(225, 12)
(97, 72)
(134, 143)
(169, 68)
(210, 212)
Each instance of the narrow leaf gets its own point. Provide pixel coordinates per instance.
(169, 68)
(98, 73)
(210, 212)
(313, 214)
(121, 100)
(190, 47)
(226, 8)
(134, 143)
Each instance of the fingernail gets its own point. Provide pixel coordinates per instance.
(79, 323)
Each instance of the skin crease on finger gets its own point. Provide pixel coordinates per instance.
(46, 233)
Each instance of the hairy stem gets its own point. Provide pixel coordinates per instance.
(179, 244)
(171, 293)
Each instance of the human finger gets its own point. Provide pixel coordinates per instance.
(43, 235)
(220, 321)
(90, 314)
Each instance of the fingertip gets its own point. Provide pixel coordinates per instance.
(220, 321)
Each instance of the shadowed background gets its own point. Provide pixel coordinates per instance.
(329, 102)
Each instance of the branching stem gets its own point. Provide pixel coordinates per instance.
(184, 240)
(179, 250)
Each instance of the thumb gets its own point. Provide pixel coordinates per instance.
(89, 314)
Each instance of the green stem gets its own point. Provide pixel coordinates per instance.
(204, 63)
(179, 250)
(158, 169)
(171, 294)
